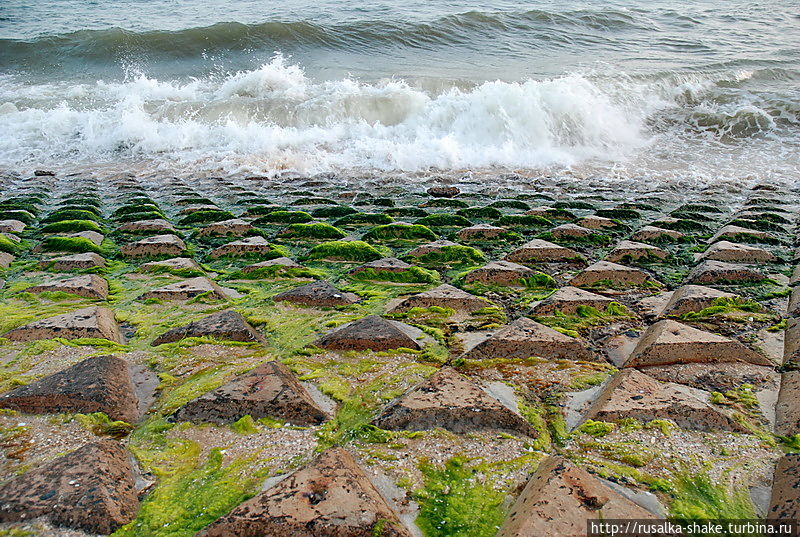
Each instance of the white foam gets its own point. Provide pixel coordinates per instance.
(276, 117)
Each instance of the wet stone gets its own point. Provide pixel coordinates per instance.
(243, 247)
(631, 250)
(6, 259)
(720, 272)
(568, 299)
(386, 264)
(90, 489)
(525, 338)
(670, 342)
(235, 227)
(633, 394)
(74, 262)
(158, 245)
(738, 253)
(268, 391)
(98, 384)
(331, 497)
(443, 296)
(372, 333)
(157, 225)
(284, 262)
(86, 285)
(176, 264)
(187, 289)
(542, 251)
(500, 273)
(448, 400)
(12, 226)
(597, 222)
(319, 293)
(559, 499)
(653, 233)
(91, 322)
(692, 298)
(480, 232)
(226, 325)
(605, 271)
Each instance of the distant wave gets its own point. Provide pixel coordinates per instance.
(459, 29)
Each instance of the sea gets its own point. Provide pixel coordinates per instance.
(655, 90)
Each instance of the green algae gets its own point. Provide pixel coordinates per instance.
(136, 217)
(696, 495)
(410, 275)
(458, 500)
(284, 217)
(356, 251)
(316, 231)
(66, 214)
(446, 203)
(489, 213)
(619, 214)
(405, 232)
(510, 204)
(101, 425)
(72, 226)
(205, 216)
(23, 216)
(522, 221)
(8, 246)
(443, 220)
(406, 212)
(585, 318)
(722, 306)
(70, 244)
(597, 429)
(337, 211)
(456, 254)
(183, 504)
(364, 219)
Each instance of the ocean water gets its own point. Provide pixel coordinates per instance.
(700, 91)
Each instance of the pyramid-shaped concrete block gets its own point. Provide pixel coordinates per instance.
(98, 384)
(443, 296)
(653, 234)
(480, 232)
(738, 253)
(560, 498)
(719, 272)
(91, 322)
(268, 391)
(319, 293)
(86, 285)
(448, 400)
(187, 289)
(568, 299)
(787, 410)
(500, 273)
(372, 333)
(331, 497)
(92, 489)
(6, 259)
(570, 231)
(282, 262)
(256, 246)
(542, 251)
(785, 501)
(155, 246)
(670, 342)
(525, 338)
(227, 325)
(156, 225)
(692, 298)
(597, 222)
(734, 233)
(605, 271)
(633, 394)
(235, 227)
(174, 264)
(386, 264)
(12, 226)
(74, 262)
(631, 250)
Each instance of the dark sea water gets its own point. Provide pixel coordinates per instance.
(701, 90)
